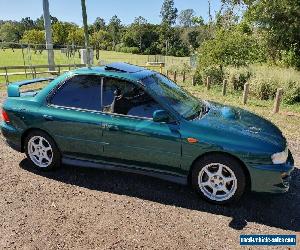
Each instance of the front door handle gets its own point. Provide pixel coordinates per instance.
(48, 117)
(110, 127)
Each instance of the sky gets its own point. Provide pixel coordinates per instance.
(70, 10)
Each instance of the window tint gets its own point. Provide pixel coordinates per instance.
(122, 97)
(80, 92)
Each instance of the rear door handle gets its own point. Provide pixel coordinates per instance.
(48, 117)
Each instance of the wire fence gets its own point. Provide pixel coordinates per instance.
(16, 54)
(32, 55)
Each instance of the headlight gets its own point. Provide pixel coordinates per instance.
(281, 157)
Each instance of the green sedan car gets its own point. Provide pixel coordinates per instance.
(127, 118)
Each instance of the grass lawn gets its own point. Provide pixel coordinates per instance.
(9, 57)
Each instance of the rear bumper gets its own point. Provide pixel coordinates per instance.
(11, 136)
(272, 178)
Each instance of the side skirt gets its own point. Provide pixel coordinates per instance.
(179, 179)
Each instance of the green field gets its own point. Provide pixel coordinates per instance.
(9, 57)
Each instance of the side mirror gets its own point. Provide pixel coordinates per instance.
(160, 116)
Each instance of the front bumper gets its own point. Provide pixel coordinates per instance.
(273, 178)
(11, 136)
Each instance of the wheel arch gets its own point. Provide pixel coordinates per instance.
(244, 168)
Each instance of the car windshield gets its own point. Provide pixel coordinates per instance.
(174, 96)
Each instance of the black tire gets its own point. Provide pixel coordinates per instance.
(56, 156)
(229, 162)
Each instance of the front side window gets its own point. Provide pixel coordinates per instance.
(122, 97)
(174, 96)
(82, 91)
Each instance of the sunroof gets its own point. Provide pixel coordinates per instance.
(123, 67)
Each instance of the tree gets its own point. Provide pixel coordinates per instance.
(75, 36)
(27, 23)
(101, 40)
(230, 47)
(185, 17)
(168, 12)
(279, 20)
(114, 27)
(39, 22)
(197, 20)
(34, 36)
(139, 25)
(60, 32)
(99, 24)
(9, 32)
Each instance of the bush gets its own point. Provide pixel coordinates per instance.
(229, 47)
(237, 77)
(292, 93)
(216, 74)
(124, 49)
(264, 89)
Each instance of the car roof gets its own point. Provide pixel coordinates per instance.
(118, 69)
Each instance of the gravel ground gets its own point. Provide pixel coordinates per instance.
(78, 208)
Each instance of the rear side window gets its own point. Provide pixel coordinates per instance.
(81, 91)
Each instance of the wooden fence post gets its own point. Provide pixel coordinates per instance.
(246, 92)
(193, 81)
(224, 87)
(6, 76)
(167, 73)
(277, 100)
(183, 76)
(208, 82)
(175, 75)
(161, 68)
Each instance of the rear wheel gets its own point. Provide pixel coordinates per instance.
(42, 151)
(219, 179)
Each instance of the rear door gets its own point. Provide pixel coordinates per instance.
(73, 117)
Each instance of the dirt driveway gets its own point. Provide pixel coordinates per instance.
(77, 208)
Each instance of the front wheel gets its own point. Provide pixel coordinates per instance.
(219, 179)
(42, 151)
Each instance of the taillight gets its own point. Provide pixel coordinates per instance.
(5, 116)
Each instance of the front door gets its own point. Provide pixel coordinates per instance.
(130, 135)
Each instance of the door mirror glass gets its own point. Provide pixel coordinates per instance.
(160, 116)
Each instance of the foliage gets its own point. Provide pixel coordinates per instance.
(114, 27)
(229, 47)
(9, 32)
(99, 24)
(124, 49)
(60, 32)
(101, 40)
(264, 88)
(292, 93)
(75, 36)
(280, 21)
(215, 73)
(186, 18)
(264, 81)
(168, 12)
(34, 37)
(237, 77)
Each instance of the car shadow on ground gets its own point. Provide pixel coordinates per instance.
(280, 211)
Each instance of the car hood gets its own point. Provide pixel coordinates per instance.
(239, 121)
